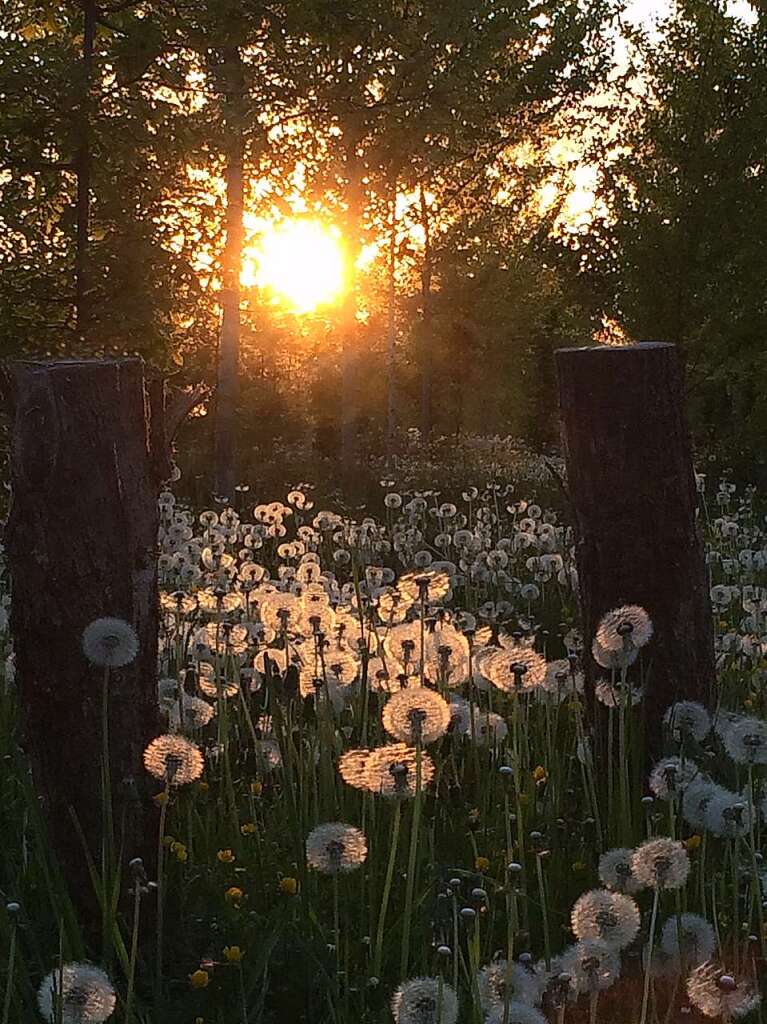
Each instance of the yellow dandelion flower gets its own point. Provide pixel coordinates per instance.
(203, 787)
(693, 842)
(180, 851)
(225, 856)
(248, 828)
(289, 886)
(579, 866)
(233, 954)
(256, 788)
(160, 799)
(233, 895)
(482, 864)
(168, 840)
(199, 979)
(539, 774)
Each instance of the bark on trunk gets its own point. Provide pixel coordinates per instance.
(350, 397)
(82, 164)
(631, 481)
(89, 450)
(228, 391)
(391, 328)
(427, 356)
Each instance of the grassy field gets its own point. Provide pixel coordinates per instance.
(381, 799)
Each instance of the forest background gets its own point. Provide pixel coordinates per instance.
(497, 179)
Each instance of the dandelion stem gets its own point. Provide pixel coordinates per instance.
(160, 889)
(544, 910)
(411, 865)
(133, 952)
(9, 972)
(648, 964)
(378, 956)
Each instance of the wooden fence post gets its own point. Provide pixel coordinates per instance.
(89, 451)
(632, 487)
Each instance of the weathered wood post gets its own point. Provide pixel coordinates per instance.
(89, 451)
(632, 487)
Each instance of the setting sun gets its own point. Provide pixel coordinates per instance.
(300, 262)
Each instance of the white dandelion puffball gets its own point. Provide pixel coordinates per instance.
(593, 966)
(391, 770)
(615, 871)
(174, 760)
(687, 718)
(499, 980)
(335, 848)
(425, 1001)
(515, 669)
(661, 863)
(627, 626)
(519, 1013)
(110, 642)
(609, 916)
(696, 800)
(87, 995)
(196, 714)
(416, 713)
(718, 994)
(746, 741)
(605, 658)
(671, 777)
(612, 694)
(727, 814)
(352, 767)
(698, 939)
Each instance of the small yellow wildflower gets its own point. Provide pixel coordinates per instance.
(693, 842)
(289, 886)
(225, 856)
(168, 840)
(539, 774)
(524, 799)
(233, 895)
(203, 786)
(256, 788)
(248, 828)
(180, 851)
(200, 979)
(579, 866)
(160, 799)
(233, 954)
(482, 864)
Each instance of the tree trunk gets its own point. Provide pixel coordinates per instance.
(631, 481)
(391, 327)
(227, 395)
(427, 356)
(82, 164)
(350, 397)
(89, 450)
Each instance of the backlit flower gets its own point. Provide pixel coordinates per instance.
(624, 627)
(86, 993)
(716, 993)
(746, 741)
(499, 981)
(593, 966)
(391, 770)
(416, 714)
(173, 759)
(515, 669)
(335, 848)
(671, 777)
(687, 718)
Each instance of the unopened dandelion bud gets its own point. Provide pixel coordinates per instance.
(468, 914)
(13, 907)
(444, 951)
(455, 883)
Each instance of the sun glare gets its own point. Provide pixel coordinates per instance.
(299, 262)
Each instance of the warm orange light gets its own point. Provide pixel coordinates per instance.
(300, 262)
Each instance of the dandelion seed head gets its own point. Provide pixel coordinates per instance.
(391, 770)
(352, 767)
(335, 848)
(611, 694)
(515, 669)
(519, 1013)
(671, 776)
(593, 966)
(416, 713)
(110, 642)
(615, 871)
(698, 939)
(610, 916)
(746, 741)
(174, 760)
(627, 626)
(718, 994)
(661, 863)
(87, 994)
(498, 980)
(417, 1001)
(687, 718)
